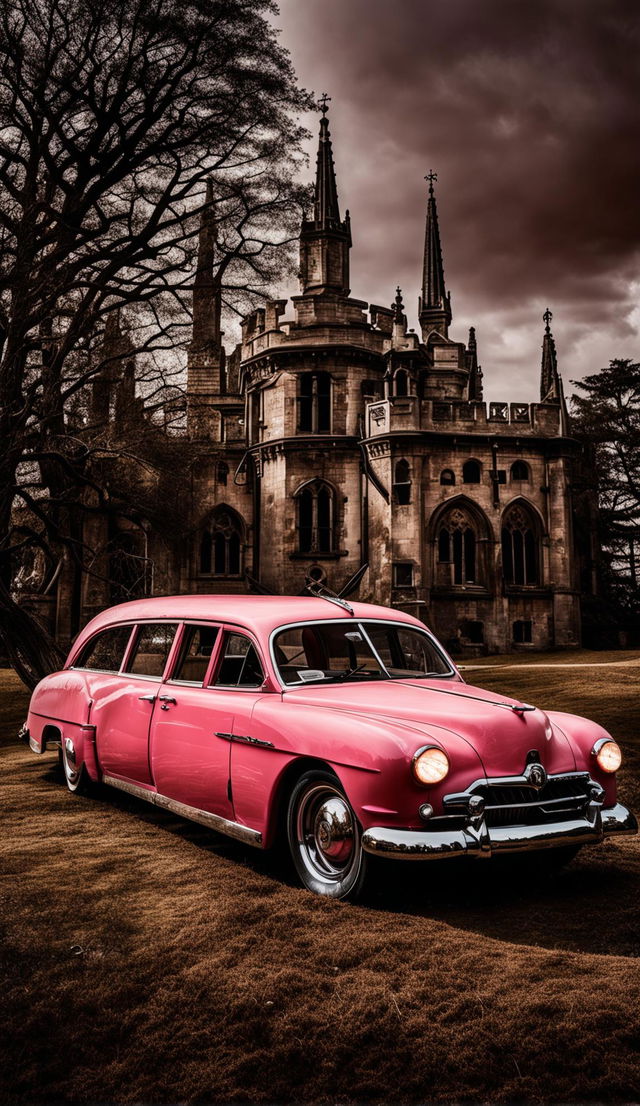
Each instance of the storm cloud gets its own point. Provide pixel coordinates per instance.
(529, 114)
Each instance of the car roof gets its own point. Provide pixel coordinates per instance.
(259, 613)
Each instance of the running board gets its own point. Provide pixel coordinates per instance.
(211, 821)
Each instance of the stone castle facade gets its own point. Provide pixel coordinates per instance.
(334, 436)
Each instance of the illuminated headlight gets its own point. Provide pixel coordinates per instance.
(430, 765)
(608, 755)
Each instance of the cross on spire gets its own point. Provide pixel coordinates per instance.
(431, 176)
(322, 103)
(547, 317)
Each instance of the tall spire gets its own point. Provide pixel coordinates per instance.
(434, 305)
(326, 213)
(325, 239)
(206, 294)
(550, 389)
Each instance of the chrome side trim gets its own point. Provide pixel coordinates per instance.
(244, 740)
(480, 841)
(203, 817)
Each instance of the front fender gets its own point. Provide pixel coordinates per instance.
(582, 734)
(371, 758)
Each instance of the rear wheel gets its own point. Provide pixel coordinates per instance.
(325, 837)
(75, 774)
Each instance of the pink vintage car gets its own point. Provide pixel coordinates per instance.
(344, 728)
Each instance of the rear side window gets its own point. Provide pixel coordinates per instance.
(240, 665)
(195, 652)
(154, 641)
(105, 651)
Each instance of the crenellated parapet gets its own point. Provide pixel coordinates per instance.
(411, 414)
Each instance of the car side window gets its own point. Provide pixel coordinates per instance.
(105, 651)
(149, 657)
(195, 653)
(240, 665)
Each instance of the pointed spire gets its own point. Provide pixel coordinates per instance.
(435, 303)
(206, 294)
(475, 371)
(325, 239)
(398, 307)
(550, 390)
(326, 213)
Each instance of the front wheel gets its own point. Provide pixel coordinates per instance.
(325, 837)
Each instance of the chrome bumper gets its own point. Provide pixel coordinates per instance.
(480, 841)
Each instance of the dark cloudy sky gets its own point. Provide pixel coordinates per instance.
(529, 112)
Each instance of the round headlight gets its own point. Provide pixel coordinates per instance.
(608, 755)
(430, 765)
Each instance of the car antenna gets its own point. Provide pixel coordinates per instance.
(321, 591)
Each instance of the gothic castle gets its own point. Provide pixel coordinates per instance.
(333, 436)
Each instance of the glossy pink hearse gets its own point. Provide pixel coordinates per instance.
(345, 727)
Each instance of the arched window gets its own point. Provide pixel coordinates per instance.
(402, 482)
(223, 472)
(316, 515)
(447, 476)
(471, 472)
(520, 561)
(401, 383)
(520, 470)
(457, 546)
(314, 403)
(221, 545)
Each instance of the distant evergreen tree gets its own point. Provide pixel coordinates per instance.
(607, 419)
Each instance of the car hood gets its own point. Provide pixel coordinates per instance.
(501, 736)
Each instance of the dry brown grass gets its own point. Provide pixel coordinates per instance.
(147, 960)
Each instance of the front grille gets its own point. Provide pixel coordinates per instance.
(516, 804)
(512, 805)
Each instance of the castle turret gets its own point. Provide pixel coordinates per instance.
(325, 240)
(434, 304)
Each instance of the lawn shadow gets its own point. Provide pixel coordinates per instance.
(512, 900)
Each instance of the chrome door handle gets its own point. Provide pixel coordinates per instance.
(166, 700)
(147, 698)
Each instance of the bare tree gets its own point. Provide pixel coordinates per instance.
(113, 115)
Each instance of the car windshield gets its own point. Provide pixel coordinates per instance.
(330, 652)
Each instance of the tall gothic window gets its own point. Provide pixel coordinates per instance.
(401, 383)
(314, 403)
(471, 472)
(402, 482)
(316, 518)
(221, 545)
(457, 546)
(520, 560)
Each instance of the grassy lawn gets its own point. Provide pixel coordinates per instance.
(148, 960)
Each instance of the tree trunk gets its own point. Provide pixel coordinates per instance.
(29, 646)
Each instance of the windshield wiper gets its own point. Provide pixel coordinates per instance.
(353, 671)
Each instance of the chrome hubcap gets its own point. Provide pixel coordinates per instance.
(70, 765)
(326, 833)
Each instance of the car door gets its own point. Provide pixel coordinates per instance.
(189, 760)
(124, 705)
